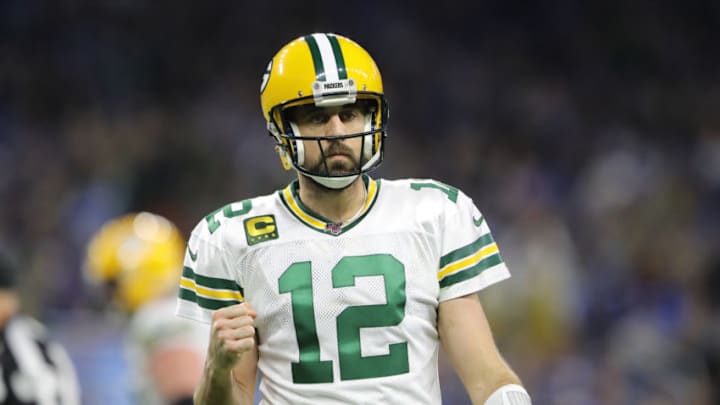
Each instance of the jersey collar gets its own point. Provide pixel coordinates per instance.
(289, 198)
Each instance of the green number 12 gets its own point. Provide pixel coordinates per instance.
(297, 280)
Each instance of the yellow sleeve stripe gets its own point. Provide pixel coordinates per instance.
(210, 293)
(468, 261)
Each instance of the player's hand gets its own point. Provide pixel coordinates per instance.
(232, 334)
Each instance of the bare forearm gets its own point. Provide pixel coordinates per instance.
(481, 371)
(466, 338)
(479, 390)
(231, 365)
(218, 388)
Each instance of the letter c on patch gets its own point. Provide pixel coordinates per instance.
(260, 225)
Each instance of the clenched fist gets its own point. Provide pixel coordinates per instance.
(232, 334)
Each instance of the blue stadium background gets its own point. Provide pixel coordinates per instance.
(587, 132)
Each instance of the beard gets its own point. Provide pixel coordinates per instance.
(347, 166)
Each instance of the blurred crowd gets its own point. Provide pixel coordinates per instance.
(588, 133)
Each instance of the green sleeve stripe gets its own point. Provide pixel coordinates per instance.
(466, 251)
(205, 303)
(212, 282)
(471, 272)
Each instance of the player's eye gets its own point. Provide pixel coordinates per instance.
(349, 114)
(316, 118)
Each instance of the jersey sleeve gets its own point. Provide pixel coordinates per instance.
(208, 279)
(153, 328)
(470, 259)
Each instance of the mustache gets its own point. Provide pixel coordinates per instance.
(337, 149)
(325, 166)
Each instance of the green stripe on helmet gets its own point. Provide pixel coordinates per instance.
(316, 57)
(339, 59)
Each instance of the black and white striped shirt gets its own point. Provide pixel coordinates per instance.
(34, 370)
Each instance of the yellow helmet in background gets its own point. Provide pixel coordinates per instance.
(140, 254)
(324, 70)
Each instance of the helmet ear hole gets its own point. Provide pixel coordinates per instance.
(371, 140)
(368, 146)
(297, 146)
(284, 158)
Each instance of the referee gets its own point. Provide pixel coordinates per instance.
(33, 370)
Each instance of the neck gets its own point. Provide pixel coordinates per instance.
(336, 205)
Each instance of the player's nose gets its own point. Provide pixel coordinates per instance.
(335, 126)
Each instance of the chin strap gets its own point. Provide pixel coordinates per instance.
(510, 394)
(335, 183)
(343, 181)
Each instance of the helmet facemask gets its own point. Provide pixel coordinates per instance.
(290, 140)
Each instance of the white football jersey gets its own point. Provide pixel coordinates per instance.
(151, 329)
(347, 313)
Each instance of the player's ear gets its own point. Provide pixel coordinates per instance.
(281, 146)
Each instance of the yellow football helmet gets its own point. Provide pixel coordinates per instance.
(140, 255)
(326, 70)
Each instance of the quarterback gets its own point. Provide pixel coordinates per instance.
(340, 288)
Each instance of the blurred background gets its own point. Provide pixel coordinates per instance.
(588, 133)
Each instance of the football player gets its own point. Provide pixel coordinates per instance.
(138, 257)
(34, 369)
(340, 288)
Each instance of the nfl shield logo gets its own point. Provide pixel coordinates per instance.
(334, 227)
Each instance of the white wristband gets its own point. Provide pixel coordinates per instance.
(510, 394)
